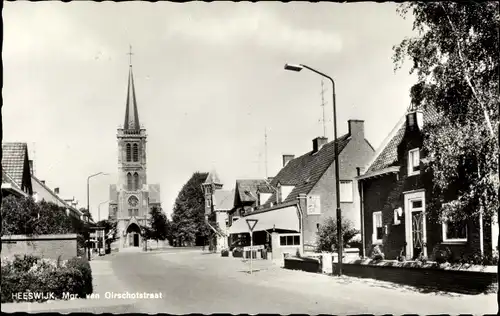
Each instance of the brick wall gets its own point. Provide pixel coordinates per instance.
(470, 282)
(47, 246)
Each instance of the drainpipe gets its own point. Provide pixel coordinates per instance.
(361, 210)
(301, 227)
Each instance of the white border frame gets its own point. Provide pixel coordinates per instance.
(410, 162)
(408, 198)
(374, 228)
(444, 227)
(285, 235)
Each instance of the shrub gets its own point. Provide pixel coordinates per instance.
(422, 258)
(441, 255)
(224, 253)
(237, 252)
(327, 235)
(377, 253)
(356, 243)
(81, 264)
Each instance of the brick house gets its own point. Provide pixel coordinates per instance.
(16, 177)
(302, 195)
(393, 192)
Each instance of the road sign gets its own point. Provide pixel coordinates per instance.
(253, 248)
(251, 223)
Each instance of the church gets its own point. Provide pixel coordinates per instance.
(132, 197)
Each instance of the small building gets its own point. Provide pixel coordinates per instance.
(218, 203)
(394, 198)
(295, 202)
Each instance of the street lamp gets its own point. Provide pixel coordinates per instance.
(98, 220)
(298, 68)
(88, 204)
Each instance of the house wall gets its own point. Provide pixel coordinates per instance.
(40, 193)
(357, 153)
(386, 193)
(47, 246)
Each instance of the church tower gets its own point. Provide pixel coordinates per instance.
(131, 198)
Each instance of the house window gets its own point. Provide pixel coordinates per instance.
(455, 231)
(129, 182)
(413, 162)
(129, 152)
(135, 152)
(346, 194)
(136, 181)
(289, 240)
(377, 227)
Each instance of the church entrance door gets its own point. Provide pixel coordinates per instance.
(136, 240)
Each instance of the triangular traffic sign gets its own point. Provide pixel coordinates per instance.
(251, 223)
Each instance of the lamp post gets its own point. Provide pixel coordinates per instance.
(88, 204)
(298, 68)
(98, 220)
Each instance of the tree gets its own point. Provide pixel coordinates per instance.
(327, 234)
(19, 216)
(157, 225)
(188, 219)
(109, 226)
(455, 56)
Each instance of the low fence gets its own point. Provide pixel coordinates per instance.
(47, 246)
(460, 279)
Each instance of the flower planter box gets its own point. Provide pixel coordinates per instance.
(303, 264)
(460, 279)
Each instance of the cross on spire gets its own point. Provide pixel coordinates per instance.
(130, 55)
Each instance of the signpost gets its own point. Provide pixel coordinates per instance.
(251, 225)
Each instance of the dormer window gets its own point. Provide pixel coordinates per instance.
(414, 162)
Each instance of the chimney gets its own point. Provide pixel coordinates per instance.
(56, 190)
(356, 129)
(30, 162)
(42, 181)
(319, 142)
(287, 158)
(414, 120)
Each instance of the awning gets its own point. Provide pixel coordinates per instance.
(286, 218)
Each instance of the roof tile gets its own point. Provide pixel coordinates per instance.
(13, 158)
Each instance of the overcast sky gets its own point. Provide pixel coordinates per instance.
(209, 79)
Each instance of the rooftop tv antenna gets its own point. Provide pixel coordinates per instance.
(323, 103)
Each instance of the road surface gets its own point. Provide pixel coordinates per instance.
(191, 281)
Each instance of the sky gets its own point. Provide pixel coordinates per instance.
(209, 81)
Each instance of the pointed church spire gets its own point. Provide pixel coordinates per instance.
(131, 112)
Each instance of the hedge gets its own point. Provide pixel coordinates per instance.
(38, 275)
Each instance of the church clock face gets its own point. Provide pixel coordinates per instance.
(133, 201)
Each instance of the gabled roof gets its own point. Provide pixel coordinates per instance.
(8, 179)
(387, 155)
(51, 192)
(246, 189)
(131, 112)
(13, 160)
(212, 178)
(224, 200)
(305, 171)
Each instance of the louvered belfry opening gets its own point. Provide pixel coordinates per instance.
(135, 153)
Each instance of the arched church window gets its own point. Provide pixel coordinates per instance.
(135, 152)
(136, 181)
(129, 182)
(129, 153)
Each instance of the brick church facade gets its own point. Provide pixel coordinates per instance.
(132, 197)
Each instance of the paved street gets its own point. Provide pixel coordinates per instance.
(191, 281)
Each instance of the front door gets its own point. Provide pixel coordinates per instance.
(136, 240)
(415, 226)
